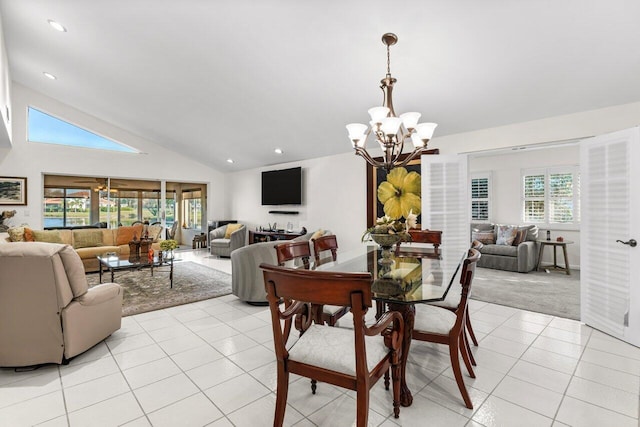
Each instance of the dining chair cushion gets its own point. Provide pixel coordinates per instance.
(434, 319)
(334, 349)
(331, 309)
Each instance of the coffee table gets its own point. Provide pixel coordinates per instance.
(115, 263)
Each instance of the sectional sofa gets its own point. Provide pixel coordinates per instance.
(88, 242)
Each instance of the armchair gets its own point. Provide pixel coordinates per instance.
(223, 242)
(49, 311)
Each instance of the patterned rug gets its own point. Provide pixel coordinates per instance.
(191, 282)
(551, 293)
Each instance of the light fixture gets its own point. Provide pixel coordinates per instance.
(278, 151)
(57, 26)
(229, 160)
(390, 131)
(49, 75)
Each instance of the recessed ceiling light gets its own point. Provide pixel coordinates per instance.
(278, 151)
(49, 75)
(57, 26)
(229, 160)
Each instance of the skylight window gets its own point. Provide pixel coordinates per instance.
(51, 130)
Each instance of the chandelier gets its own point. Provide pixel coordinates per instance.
(391, 132)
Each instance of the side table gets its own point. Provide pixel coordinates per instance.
(555, 245)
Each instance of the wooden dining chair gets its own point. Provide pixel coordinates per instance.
(350, 358)
(433, 237)
(289, 251)
(325, 243)
(440, 325)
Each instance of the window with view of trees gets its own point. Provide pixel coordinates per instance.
(67, 207)
(551, 196)
(481, 196)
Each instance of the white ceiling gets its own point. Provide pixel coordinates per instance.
(238, 78)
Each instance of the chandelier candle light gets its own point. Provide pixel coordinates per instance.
(390, 131)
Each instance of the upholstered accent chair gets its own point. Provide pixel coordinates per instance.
(227, 238)
(47, 311)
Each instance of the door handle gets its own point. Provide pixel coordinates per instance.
(631, 242)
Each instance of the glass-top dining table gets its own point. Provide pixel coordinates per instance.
(399, 282)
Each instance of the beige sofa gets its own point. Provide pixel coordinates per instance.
(89, 243)
(47, 312)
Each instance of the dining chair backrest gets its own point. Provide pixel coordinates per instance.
(433, 237)
(325, 243)
(466, 277)
(291, 250)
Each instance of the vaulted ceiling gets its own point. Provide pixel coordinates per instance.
(238, 78)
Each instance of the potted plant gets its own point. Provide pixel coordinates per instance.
(168, 246)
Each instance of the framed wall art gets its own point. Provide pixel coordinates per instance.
(375, 177)
(13, 190)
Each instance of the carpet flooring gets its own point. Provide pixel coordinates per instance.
(191, 282)
(549, 293)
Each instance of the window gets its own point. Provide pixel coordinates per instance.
(192, 208)
(551, 196)
(50, 130)
(481, 196)
(66, 207)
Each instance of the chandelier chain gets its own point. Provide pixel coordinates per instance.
(388, 60)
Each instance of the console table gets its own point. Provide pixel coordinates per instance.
(267, 236)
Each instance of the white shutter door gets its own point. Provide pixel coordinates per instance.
(445, 203)
(609, 202)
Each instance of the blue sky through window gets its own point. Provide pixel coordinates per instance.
(50, 130)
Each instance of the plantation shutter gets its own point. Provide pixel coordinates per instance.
(533, 193)
(480, 199)
(610, 210)
(445, 202)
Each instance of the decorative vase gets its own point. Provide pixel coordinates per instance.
(386, 242)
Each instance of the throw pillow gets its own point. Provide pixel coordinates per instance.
(126, 233)
(16, 234)
(317, 234)
(486, 237)
(155, 231)
(87, 238)
(28, 235)
(532, 232)
(520, 236)
(476, 244)
(505, 234)
(49, 236)
(230, 229)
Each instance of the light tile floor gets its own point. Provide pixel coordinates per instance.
(211, 363)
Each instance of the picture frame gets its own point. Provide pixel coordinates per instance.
(13, 191)
(375, 176)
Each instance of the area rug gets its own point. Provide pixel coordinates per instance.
(550, 293)
(191, 282)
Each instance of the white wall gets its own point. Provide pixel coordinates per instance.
(506, 181)
(334, 198)
(336, 185)
(32, 160)
(5, 95)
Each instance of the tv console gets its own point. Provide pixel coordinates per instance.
(269, 235)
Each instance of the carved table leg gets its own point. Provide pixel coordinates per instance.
(408, 312)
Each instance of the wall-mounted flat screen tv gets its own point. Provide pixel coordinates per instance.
(282, 187)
